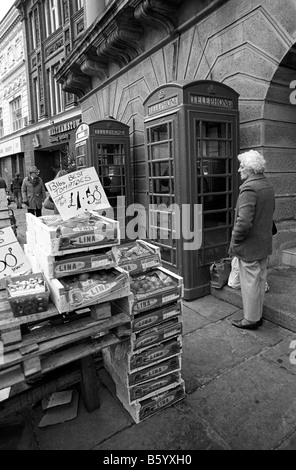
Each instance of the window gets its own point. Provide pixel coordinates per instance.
(16, 113)
(35, 30)
(57, 98)
(1, 123)
(52, 15)
(78, 4)
(36, 98)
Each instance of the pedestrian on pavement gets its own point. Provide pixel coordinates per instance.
(3, 183)
(251, 239)
(16, 189)
(33, 192)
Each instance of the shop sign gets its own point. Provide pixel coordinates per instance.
(78, 192)
(82, 132)
(64, 127)
(59, 138)
(163, 105)
(36, 141)
(13, 260)
(110, 131)
(211, 101)
(11, 147)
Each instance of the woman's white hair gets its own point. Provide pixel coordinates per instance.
(252, 160)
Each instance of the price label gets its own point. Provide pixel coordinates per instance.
(78, 192)
(13, 261)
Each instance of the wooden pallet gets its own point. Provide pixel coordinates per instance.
(48, 347)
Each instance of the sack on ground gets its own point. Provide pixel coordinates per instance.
(219, 273)
(234, 280)
(48, 203)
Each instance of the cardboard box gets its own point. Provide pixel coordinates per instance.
(87, 293)
(126, 361)
(150, 406)
(161, 332)
(30, 301)
(152, 318)
(152, 371)
(132, 395)
(138, 257)
(53, 235)
(62, 266)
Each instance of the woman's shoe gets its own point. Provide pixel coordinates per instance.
(245, 326)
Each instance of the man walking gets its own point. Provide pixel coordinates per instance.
(16, 188)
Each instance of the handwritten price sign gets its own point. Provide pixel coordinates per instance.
(13, 260)
(78, 192)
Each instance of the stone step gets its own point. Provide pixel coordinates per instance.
(289, 256)
(279, 302)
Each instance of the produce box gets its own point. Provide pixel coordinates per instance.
(152, 371)
(139, 392)
(138, 257)
(27, 294)
(150, 406)
(154, 289)
(85, 232)
(74, 292)
(62, 266)
(161, 332)
(154, 317)
(126, 361)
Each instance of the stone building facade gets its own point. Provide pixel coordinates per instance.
(14, 102)
(131, 47)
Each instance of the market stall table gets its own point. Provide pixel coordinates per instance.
(32, 353)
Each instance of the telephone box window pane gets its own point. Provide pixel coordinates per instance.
(213, 130)
(160, 151)
(159, 133)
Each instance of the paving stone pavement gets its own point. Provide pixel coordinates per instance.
(240, 394)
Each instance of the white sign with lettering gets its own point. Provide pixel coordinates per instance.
(13, 261)
(78, 192)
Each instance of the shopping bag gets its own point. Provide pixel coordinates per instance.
(234, 280)
(219, 272)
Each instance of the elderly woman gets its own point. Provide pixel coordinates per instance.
(251, 239)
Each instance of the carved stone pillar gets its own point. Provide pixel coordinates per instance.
(92, 9)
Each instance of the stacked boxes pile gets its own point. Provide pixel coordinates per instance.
(146, 368)
(78, 259)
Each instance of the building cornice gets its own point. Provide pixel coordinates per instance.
(116, 37)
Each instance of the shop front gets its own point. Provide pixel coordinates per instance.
(12, 159)
(52, 148)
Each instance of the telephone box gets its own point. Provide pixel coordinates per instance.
(191, 140)
(105, 145)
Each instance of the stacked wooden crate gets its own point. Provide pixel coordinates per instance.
(146, 368)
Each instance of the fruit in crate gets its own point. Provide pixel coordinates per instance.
(128, 252)
(32, 285)
(151, 282)
(90, 279)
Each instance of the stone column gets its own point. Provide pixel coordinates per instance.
(92, 9)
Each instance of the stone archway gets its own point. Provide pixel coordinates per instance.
(279, 147)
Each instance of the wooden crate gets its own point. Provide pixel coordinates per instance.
(51, 241)
(51, 346)
(66, 302)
